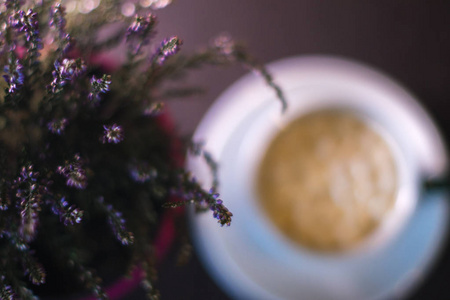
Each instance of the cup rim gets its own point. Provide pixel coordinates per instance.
(408, 189)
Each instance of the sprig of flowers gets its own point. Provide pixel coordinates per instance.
(140, 32)
(190, 191)
(74, 172)
(58, 22)
(33, 269)
(168, 48)
(30, 198)
(230, 51)
(81, 141)
(117, 223)
(14, 76)
(68, 214)
(65, 72)
(27, 23)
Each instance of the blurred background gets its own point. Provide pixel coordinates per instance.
(408, 40)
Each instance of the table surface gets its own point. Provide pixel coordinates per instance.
(409, 40)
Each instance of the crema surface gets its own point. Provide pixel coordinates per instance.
(327, 180)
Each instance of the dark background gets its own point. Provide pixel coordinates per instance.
(409, 40)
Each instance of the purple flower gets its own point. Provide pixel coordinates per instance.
(168, 48)
(57, 126)
(142, 172)
(191, 192)
(99, 86)
(69, 69)
(66, 71)
(112, 134)
(142, 29)
(69, 215)
(74, 173)
(220, 212)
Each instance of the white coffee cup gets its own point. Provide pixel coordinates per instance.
(237, 130)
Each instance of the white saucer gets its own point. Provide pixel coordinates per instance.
(250, 263)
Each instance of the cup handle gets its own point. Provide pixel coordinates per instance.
(437, 184)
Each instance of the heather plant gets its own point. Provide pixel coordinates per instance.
(82, 144)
